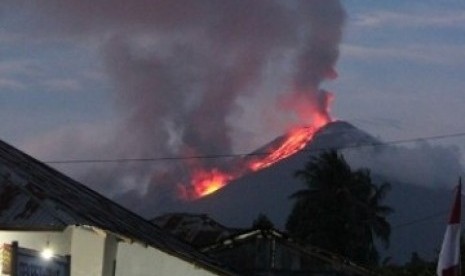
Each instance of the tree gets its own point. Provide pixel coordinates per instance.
(415, 267)
(262, 222)
(340, 210)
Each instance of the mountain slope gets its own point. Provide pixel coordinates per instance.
(267, 191)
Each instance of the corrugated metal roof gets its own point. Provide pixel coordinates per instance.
(33, 195)
(251, 235)
(198, 230)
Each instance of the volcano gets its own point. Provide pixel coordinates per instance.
(267, 192)
(206, 182)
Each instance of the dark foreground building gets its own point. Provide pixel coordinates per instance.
(255, 251)
(84, 233)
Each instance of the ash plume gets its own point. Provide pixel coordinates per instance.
(178, 67)
(316, 59)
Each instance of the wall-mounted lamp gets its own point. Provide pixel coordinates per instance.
(47, 252)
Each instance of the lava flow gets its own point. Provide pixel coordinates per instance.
(294, 141)
(205, 182)
(208, 182)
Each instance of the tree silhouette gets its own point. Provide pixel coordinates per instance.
(262, 222)
(340, 209)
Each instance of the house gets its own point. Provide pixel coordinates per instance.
(261, 250)
(198, 230)
(271, 252)
(40, 208)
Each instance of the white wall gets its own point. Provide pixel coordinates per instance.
(94, 252)
(59, 242)
(87, 249)
(137, 260)
(85, 246)
(109, 255)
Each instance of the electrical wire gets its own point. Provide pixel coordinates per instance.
(420, 220)
(219, 156)
(234, 155)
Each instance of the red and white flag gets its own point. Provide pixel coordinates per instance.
(449, 257)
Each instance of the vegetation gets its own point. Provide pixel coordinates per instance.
(415, 267)
(340, 210)
(262, 222)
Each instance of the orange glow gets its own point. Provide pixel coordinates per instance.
(295, 140)
(208, 182)
(205, 182)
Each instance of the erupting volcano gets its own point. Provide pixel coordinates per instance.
(306, 60)
(205, 182)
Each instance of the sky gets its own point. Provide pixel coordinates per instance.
(112, 79)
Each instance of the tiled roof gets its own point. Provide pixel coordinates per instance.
(35, 196)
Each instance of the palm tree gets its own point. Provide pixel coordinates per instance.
(340, 209)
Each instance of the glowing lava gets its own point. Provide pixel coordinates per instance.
(204, 182)
(208, 182)
(294, 141)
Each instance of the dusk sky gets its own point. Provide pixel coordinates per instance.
(68, 72)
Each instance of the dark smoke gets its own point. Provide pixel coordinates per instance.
(317, 57)
(179, 66)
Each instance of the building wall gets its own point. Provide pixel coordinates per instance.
(137, 260)
(98, 253)
(59, 242)
(85, 246)
(37, 240)
(87, 252)
(109, 255)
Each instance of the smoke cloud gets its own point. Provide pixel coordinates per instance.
(178, 68)
(422, 164)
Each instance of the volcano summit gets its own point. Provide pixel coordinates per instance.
(267, 191)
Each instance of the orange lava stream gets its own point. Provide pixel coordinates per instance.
(206, 182)
(295, 140)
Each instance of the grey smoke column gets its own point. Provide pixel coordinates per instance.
(178, 67)
(181, 89)
(187, 85)
(316, 59)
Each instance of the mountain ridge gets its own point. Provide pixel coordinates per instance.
(267, 192)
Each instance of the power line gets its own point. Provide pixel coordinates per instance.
(421, 219)
(219, 156)
(233, 155)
